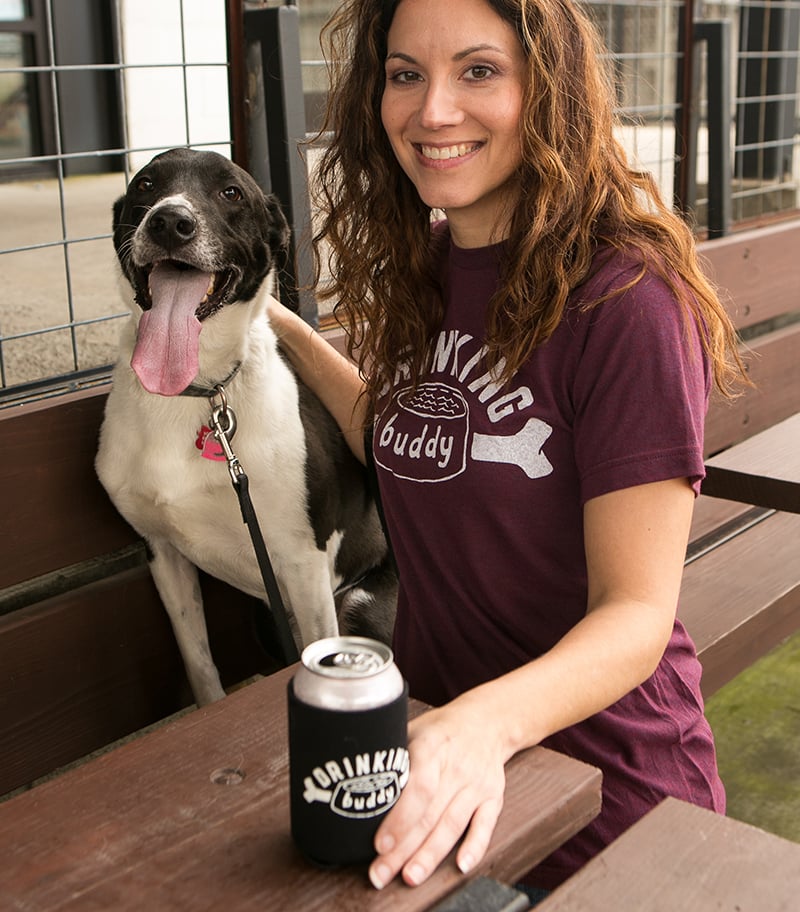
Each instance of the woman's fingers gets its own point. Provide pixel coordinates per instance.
(459, 816)
(476, 842)
(431, 826)
(414, 816)
(455, 786)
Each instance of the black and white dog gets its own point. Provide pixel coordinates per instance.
(197, 241)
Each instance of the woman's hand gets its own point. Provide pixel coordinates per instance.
(456, 784)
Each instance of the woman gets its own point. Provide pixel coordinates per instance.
(538, 363)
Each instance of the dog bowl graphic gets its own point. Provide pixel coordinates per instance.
(366, 796)
(433, 400)
(422, 434)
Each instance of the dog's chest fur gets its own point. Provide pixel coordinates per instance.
(161, 482)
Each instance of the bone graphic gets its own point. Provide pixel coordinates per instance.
(523, 449)
(312, 793)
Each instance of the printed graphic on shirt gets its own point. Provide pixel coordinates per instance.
(426, 434)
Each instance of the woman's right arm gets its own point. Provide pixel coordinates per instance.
(332, 377)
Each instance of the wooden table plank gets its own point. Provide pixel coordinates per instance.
(739, 601)
(682, 857)
(763, 470)
(151, 824)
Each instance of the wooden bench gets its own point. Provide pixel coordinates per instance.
(86, 651)
(87, 654)
(683, 857)
(741, 589)
(763, 470)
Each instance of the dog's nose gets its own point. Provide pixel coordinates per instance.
(172, 226)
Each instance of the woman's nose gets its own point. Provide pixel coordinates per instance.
(440, 106)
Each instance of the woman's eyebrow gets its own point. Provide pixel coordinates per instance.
(461, 55)
(397, 55)
(477, 49)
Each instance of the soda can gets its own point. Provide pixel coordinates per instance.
(348, 740)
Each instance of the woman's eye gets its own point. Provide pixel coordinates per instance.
(232, 194)
(404, 77)
(479, 72)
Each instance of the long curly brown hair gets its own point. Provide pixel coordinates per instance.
(576, 192)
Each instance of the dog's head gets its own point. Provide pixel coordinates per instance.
(198, 211)
(193, 233)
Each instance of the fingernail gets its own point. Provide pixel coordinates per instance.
(465, 863)
(379, 876)
(415, 874)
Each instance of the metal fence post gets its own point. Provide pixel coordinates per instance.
(686, 87)
(717, 36)
(279, 117)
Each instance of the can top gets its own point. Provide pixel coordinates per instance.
(347, 657)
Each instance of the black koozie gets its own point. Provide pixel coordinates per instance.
(346, 769)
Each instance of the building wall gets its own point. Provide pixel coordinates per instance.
(176, 83)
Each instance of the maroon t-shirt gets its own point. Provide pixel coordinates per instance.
(483, 488)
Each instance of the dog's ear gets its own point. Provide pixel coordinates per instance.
(119, 205)
(278, 228)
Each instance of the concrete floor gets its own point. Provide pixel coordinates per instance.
(35, 281)
(40, 282)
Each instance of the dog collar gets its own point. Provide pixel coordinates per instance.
(206, 391)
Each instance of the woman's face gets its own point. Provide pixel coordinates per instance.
(451, 108)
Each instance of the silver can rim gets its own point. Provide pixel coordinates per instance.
(313, 654)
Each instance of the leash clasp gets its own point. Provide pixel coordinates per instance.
(223, 424)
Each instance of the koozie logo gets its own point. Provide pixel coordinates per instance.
(362, 786)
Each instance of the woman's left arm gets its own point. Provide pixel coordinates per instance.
(635, 541)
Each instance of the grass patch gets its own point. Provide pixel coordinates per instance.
(756, 723)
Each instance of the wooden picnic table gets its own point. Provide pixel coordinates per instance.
(763, 470)
(681, 857)
(194, 815)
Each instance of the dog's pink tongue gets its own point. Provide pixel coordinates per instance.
(165, 358)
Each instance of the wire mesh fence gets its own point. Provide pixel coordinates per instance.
(89, 92)
(62, 164)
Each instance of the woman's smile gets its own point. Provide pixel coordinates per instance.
(447, 153)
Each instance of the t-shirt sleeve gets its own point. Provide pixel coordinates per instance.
(641, 391)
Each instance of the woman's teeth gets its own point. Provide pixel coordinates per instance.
(439, 153)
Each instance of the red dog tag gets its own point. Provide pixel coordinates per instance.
(208, 445)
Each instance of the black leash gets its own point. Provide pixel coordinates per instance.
(223, 424)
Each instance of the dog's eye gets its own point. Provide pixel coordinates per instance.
(232, 194)
(144, 185)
